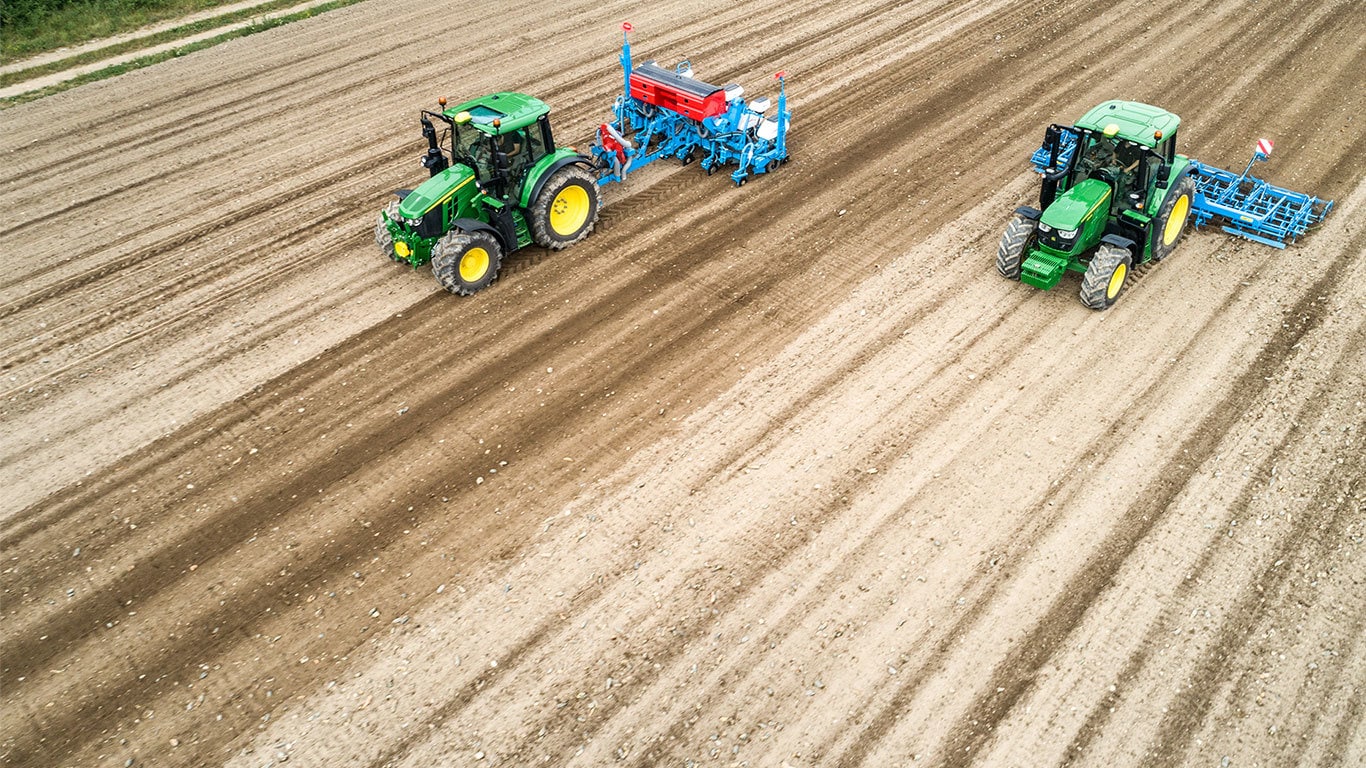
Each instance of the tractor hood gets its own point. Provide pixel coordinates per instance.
(435, 191)
(1073, 207)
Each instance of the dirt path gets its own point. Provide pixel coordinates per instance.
(778, 475)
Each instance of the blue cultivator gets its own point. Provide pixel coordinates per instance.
(669, 113)
(1253, 208)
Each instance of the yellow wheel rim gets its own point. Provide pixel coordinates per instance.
(1116, 281)
(474, 264)
(569, 210)
(1177, 220)
(401, 248)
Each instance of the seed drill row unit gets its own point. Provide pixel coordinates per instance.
(1115, 194)
(499, 182)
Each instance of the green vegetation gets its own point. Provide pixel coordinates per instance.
(28, 27)
(176, 33)
(150, 59)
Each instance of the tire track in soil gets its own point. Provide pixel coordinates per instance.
(1037, 523)
(1179, 726)
(773, 555)
(1310, 534)
(680, 273)
(1016, 673)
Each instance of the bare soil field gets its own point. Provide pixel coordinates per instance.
(784, 475)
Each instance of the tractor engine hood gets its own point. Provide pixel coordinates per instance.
(1072, 208)
(434, 192)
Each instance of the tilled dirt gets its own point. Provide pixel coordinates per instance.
(779, 475)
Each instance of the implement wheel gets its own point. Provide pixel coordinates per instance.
(1170, 223)
(1014, 244)
(1106, 276)
(566, 209)
(465, 262)
(383, 239)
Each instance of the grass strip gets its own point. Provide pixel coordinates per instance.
(30, 27)
(165, 36)
(174, 53)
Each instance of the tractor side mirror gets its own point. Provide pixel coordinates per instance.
(501, 160)
(1163, 171)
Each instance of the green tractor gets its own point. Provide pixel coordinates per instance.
(1115, 194)
(498, 183)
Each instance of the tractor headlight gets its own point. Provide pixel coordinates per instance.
(1044, 227)
(411, 222)
(1067, 235)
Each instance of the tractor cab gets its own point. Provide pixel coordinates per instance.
(1128, 146)
(498, 137)
(501, 137)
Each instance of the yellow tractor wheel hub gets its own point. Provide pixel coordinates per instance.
(569, 210)
(1177, 220)
(1116, 282)
(473, 264)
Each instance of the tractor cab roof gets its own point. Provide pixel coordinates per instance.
(1130, 120)
(511, 110)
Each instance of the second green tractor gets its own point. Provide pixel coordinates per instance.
(1115, 194)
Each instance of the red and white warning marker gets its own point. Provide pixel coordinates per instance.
(1264, 146)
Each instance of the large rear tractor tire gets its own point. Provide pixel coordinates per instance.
(383, 239)
(1106, 276)
(566, 209)
(1171, 220)
(465, 262)
(1014, 244)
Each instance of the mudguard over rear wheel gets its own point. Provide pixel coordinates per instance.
(464, 262)
(566, 209)
(1014, 243)
(1106, 276)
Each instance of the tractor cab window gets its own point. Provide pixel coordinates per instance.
(1164, 149)
(1100, 152)
(520, 149)
(535, 142)
(471, 149)
(1130, 174)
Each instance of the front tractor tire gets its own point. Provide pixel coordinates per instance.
(1014, 244)
(1170, 223)
(566, 209)
(1106, 277)
(465, 262)
(383, 238)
